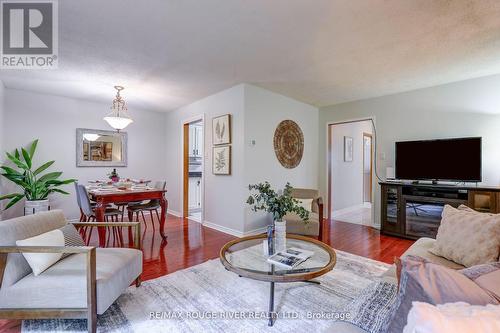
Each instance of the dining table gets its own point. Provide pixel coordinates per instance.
(104, 197)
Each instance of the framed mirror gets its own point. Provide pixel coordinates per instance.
(99, 148)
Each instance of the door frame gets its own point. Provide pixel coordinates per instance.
(329, 130)
(368, 135)
(184, 189)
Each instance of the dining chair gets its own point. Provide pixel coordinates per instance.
(150, 206)
(88, 215)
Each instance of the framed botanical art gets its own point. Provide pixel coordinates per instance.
(221, 160)
(221, 130)
(347, 149)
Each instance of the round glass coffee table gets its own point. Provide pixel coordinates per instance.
(245, 257)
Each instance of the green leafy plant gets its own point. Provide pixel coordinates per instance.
(34, 185)
(277, 203)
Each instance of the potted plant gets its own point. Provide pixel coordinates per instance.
(36, 187)
(278, 204)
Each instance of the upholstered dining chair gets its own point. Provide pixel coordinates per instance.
(315, 226)
(88, 215)
(150, 206)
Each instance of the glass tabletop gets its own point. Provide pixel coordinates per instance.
(247, 256)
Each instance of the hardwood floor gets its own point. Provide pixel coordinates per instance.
(190, 244)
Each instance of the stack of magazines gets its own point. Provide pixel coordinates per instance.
(290, 258)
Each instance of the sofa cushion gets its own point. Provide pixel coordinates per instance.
(295, 224)
(468, 238)
(486, 276)
(63, 285)
(21, 228)
(65, 236)
(422, 281)
(457, 317)
(421, 248)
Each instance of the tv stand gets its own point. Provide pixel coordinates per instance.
(414, 210)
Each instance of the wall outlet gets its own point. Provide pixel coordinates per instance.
(251, 143)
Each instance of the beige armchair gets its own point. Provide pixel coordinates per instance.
(315, 225)
(82, 285)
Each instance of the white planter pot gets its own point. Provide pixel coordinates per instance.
(33, 207)
(280, 235)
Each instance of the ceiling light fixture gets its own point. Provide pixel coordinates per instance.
(118, 118)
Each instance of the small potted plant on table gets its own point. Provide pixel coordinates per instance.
(35, 187)
(278, 204)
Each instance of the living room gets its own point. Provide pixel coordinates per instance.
(107, 122)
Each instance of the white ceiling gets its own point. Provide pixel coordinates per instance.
(170, 53)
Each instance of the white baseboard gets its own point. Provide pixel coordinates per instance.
(346, 210)
(174, 213)
(233, 232)
(223, 229)
(194, 219)
(255, 231)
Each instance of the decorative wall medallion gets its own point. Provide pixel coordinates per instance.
(288, 143)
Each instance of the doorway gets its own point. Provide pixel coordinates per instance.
(193, 161)
(350, 171)
(367, 167)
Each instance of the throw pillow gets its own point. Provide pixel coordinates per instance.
(457, 317)
(468, 238)
(486, 276)
(423, 281)
(65, 236)
(305, 203)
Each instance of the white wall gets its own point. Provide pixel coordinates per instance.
(453, 110)
(53, 120)
(264, 110)
(347, 177)
(224, 195)
(255, 114)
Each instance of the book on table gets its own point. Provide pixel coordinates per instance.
(290, 258)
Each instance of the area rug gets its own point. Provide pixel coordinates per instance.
(208, 298)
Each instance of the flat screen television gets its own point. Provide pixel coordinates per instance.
(444, 159)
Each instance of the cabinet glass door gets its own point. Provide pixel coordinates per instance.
(390, 209)
(391, 214)
(422, 217)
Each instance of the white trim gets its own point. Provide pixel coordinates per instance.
(255, 231)
(174, 213)
(375, 158)
(233, 232)
(346, 210)
(223, 229)
(194, 219)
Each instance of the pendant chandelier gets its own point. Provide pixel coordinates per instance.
(118, 118)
